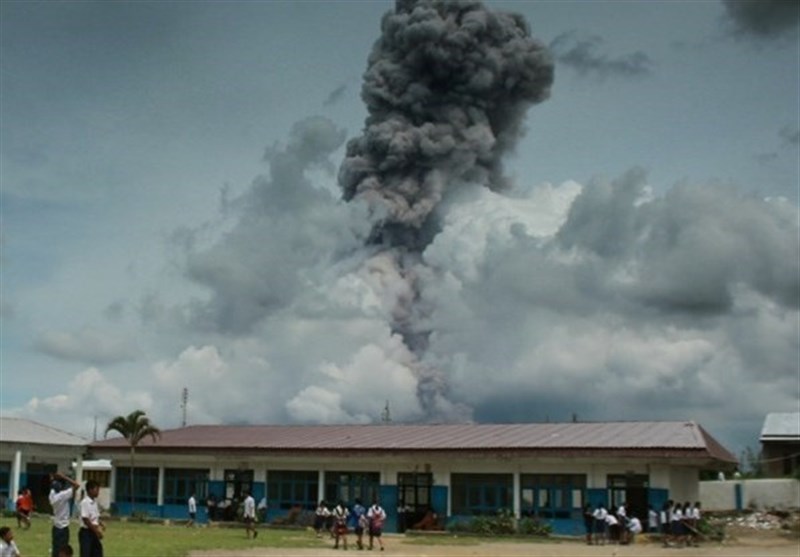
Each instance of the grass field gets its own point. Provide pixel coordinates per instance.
(130, 539)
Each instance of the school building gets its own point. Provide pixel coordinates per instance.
(545, 470)
(29, 453)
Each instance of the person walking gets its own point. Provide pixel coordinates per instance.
(62, 492)
(249, 515)
(340, 514)
(361, 522)
(376, 516)
(192, 505)
(91, 533)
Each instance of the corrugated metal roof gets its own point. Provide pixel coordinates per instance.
(449, 437)
(20, 430)
(781, 426)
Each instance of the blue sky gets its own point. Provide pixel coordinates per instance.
(171, 218)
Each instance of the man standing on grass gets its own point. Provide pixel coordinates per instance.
(60, 497)
(250, 515)
(192, 503)
(91, 531)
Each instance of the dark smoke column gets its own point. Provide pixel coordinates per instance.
(447, 86)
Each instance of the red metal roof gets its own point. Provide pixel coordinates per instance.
(666, 437)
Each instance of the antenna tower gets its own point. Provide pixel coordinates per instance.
(184, 404)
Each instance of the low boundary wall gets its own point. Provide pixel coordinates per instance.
(737, 495)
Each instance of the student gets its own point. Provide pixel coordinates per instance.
(192, 505)
(65, 551)
(652, 520)
(588, 522)
(249, 515)
(376, 516)
(613, 527)
(320, 517)
(664, 521)
(622, 517)
(261, 509)
(60, 498)
(24, 509)
(695, 535)
(634, 528)
(600, 514)
(361, 522)
(91, 532)
(676, 523)
(7, 546)
(340, 514)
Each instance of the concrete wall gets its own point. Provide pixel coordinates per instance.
(733, 495)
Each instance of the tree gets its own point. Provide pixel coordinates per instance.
(134, 427)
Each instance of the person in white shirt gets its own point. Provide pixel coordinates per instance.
(91, 532)
(261, 509)
(60, 498)
(320, 517)
(634, 527)
(652, 520)
(376, 516)
(600, 514)
(613, 527)
(249, 515)
(192, 504)
(7, 546)
(340, 514)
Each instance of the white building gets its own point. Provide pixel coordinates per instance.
(548, 471)
(29, 453)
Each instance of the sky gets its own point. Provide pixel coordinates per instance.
(301, 220)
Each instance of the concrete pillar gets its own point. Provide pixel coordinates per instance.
(160, 498)
(321, 485)
(517, 496)
(16, 470)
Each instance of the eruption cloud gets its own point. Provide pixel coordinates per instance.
(447, 86)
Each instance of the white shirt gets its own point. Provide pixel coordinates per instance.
(611, 520)
(377, 514)
(192, 505)
(59, 500)
(263, 503)
(249, 507)
(600, 513)
(622, 512)
(652, 519)
(696, 513)
(8, 549)
(635, 525)
(90, 511)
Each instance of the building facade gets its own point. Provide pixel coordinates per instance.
(780, 444)
(543, 471)
(29, 453)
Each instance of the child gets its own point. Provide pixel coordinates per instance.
(376, 516)
(340, 514)
(7, 546)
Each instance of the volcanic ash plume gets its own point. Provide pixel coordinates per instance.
(446, 86)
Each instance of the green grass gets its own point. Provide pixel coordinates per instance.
(129, 539)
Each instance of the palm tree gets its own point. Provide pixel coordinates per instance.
(134, 427)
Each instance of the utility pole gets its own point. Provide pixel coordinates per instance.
(184, 404)
(386, 417)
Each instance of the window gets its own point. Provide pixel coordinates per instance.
(476, 494)
(414, 490)
(237, 483)
(289, 488)
(552, 495)
(145, 485)
(5, 478)
(346, 486)
(180, 483)
(102, 477)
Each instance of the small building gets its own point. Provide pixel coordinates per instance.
(780, 444)
(29, 453)
(543, 471)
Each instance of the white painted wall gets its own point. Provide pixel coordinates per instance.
(761, 494)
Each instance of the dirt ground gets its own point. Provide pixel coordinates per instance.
(755, 546)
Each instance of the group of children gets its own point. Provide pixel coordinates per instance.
(338, 520)
(677, 523)
(62, 493)
(613, 526)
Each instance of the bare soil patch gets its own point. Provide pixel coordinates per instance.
(763, 544)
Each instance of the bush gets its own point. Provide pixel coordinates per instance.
(501, 524)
